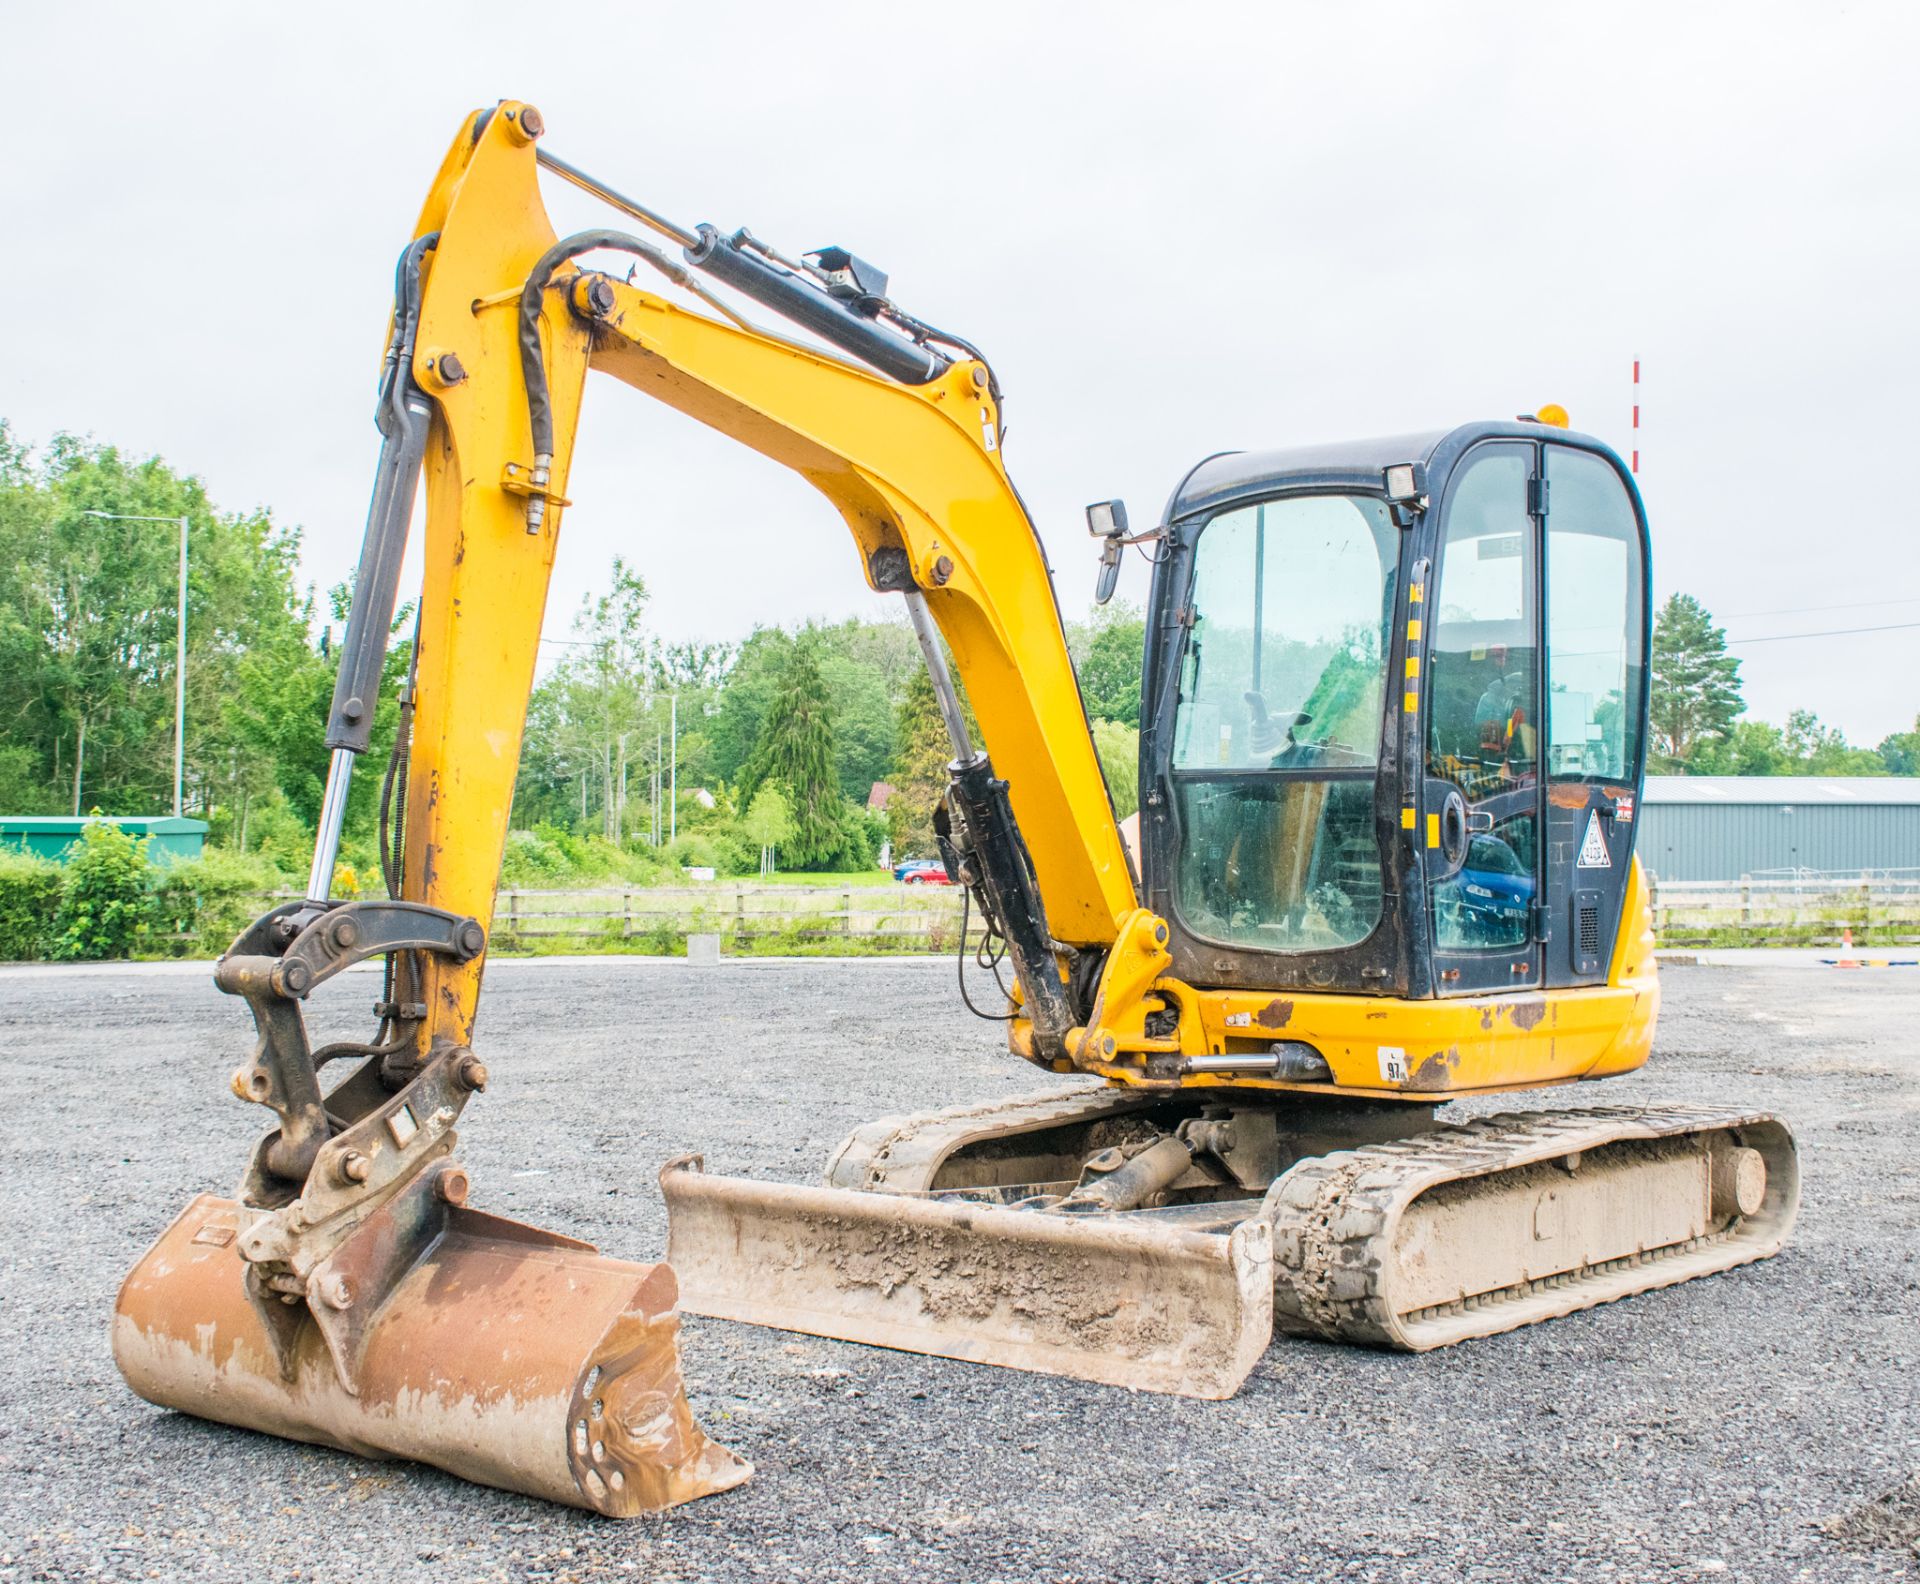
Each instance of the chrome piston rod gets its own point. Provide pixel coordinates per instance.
(333, 814)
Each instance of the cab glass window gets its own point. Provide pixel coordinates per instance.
(1483, 736)
(1595, 614)
(1284, 666)
(1283, 683)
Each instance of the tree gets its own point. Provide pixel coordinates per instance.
(866, 665)
(747, 696)
(1108, 653)
(1119, 749)
(1900, 751)
(88, 607)
(1817, 749)
(795, 754)
(1752, 748)
(863, 723)
(594, 721)
(918, 776)
(769, 822)
(1696, 683)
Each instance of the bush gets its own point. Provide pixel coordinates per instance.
(29, 897)
(105, 903)
(213, 898)
(548, 856)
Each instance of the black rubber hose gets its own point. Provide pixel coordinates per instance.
(533, 364)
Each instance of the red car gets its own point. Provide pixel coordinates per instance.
(921, 871)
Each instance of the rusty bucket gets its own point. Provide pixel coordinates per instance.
(493, 1350)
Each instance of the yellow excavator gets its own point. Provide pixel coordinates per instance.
(1392, 735)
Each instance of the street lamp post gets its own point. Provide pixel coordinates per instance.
(179, 655)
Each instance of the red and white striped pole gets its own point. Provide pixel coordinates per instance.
(1636, 416)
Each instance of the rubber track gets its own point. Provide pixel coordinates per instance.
(1334, 1215)
(901, 1154)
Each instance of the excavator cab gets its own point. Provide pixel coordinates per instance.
(1391, 726)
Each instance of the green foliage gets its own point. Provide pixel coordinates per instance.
(919, 771)
(87, 615)
(768, 823)
(549, 857)
(1817, 749)
(29, 897)
(752, 684)
(1119, 749)
(1806, 746)
(1108, 653)
(105, 906)
(795, 753)
(210, 899)
(23, 790)
(1696, 684)
(1900, 752)
(1752, 747)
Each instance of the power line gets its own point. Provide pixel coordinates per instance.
(1832, 632)
(1795, 610)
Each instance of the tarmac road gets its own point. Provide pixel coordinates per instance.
(1762, 1425)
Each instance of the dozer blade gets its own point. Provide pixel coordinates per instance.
(504, 1354)
(1092, 1297)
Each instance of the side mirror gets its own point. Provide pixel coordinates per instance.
(1109, 572)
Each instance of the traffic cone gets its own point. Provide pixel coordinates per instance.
(1846, 946)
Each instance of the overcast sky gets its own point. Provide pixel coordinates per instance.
(1175, 229)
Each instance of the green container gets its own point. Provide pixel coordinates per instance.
(53, 835)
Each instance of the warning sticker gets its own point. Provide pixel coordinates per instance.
(1393, 1063)
(1239, 1020)
(1623, 808)
(1593, 846)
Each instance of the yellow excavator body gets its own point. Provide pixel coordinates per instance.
(1410, 883)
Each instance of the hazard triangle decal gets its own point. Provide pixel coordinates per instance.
(1593, 847)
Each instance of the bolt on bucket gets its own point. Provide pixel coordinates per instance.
(1096, 1298)
(501, 1353)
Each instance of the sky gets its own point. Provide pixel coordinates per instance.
(1175, 229)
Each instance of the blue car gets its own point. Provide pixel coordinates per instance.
(1494, 884)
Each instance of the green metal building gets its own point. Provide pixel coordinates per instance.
(51, 835)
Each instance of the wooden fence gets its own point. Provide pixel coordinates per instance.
(1788, 908)
(747, 917)
(1791, 909)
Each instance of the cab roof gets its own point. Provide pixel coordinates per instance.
(1231, 476)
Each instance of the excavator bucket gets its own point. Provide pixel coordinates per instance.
(502, 1354)
(1098, 1298)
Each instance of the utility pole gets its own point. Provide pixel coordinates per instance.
(179, 659)
(673, 796)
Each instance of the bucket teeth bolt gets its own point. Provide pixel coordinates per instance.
(472, 1072)
(336, 1292)
(354, 1167)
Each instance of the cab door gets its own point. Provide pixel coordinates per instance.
(1597, 636)
(1481, 807)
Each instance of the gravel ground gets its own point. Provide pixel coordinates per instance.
(1761, 1425)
